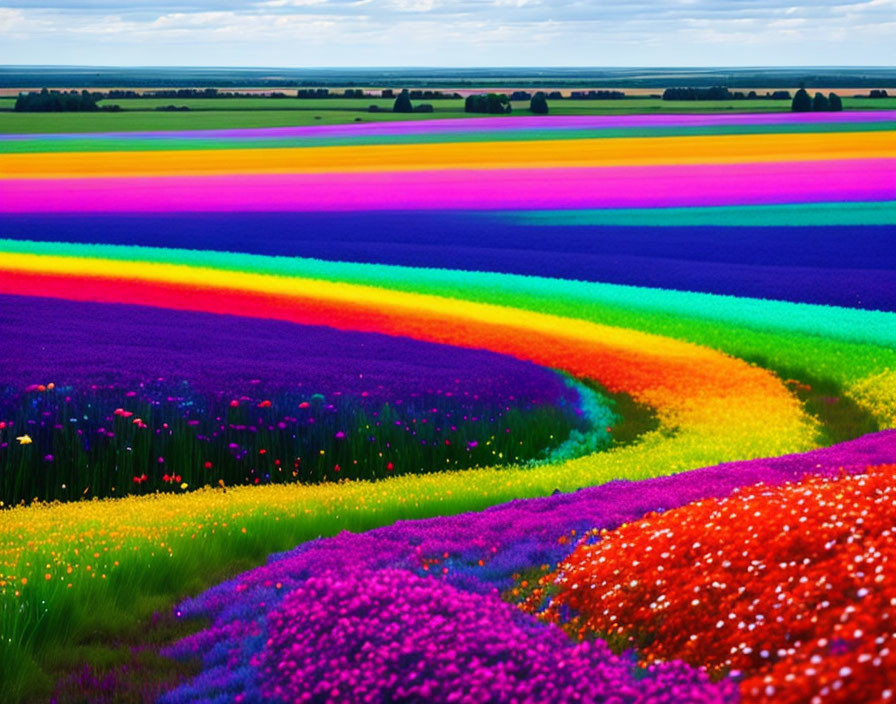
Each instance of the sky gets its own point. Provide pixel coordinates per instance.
(449, 33)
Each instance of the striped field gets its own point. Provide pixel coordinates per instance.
(732, 274)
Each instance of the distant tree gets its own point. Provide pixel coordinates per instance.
(498, 104)
(423, 107)
(596, 95)
(493, 103)
(801, 101)
(520, 95)
(403, 102)
(714, 93)
(820, 103)
(752, 95)
(539, 104)
(834, 103)
(388, 93)
(555, 95)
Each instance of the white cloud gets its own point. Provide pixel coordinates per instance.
(11, 20)
(289, 3)
(415, 5)
(447, 32)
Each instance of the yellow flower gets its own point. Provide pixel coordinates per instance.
(184, 485)
(24, 439)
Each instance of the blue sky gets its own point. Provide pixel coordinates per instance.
(297, 33)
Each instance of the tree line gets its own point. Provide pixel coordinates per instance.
(520, 95)
(820, 103)
(482, 103)
(184, 93)
(61, 101)
(499, 103)
(721, 93)
(312, 93)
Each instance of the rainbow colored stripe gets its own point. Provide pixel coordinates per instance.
(524, 175)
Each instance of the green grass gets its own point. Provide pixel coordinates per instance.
(313, 104)
(125, 669)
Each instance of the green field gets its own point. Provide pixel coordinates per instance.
(33, 123)
(220, 113)
(353, 104)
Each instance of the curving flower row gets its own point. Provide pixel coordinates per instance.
(208, 399)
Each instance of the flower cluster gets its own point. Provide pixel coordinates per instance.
(399, 637)
(790, 589)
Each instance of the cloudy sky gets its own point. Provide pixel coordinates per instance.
(296, 33)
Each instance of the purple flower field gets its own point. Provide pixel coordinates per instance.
(119, 399)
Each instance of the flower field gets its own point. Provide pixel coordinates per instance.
(507, 409)
(200, 416)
